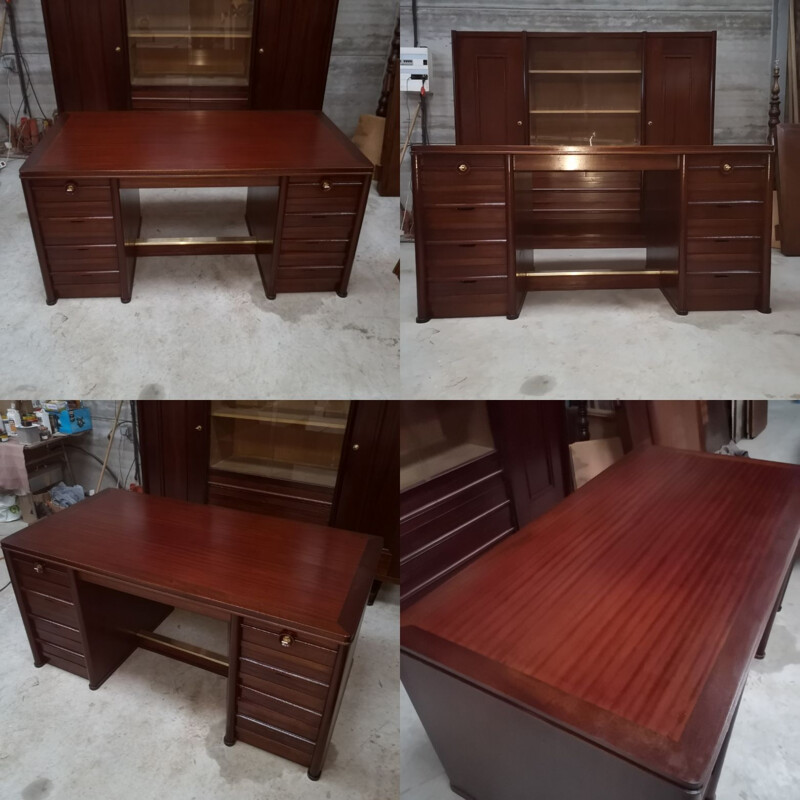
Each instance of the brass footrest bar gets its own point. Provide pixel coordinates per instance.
(180, 651)
(596, 272)
(199, 246)
(595, 279)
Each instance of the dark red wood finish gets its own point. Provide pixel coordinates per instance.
(308, 189)
(788, 173)
(679, 88)
(705, 221)
(93, 580)
(489, 71)
(88, 45)
(629, 614)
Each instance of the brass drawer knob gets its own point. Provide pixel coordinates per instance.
(117, 49)
(727, 167)
(326, 186)
(261, 51)
(519, 122)
(38, 569)
(463, 168)
(287, 640)
(71, 188)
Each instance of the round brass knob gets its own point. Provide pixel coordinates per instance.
(38, 568)
(726, 167)
(356, 447)
(326, 186)
(71, 188)
(463, 168)
(519, 122)
(287, 640)
(649, 123)
(117, 49)
(261, 51)
(199, 428)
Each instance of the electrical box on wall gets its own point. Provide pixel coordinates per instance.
(415, 69)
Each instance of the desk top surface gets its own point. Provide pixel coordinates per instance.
(154, 143)
(291, 572)
(631, 611)
(641, 150)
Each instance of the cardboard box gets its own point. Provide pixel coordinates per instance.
(72, 421)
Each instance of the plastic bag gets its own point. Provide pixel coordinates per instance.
(9, 510)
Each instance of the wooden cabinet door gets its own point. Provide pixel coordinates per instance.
(367, 496)
(531, 439)
(679, 89)
(173, 443)
(86, 39)
(489, 78)
(293, 50)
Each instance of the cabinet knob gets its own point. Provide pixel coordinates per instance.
(463, 168)
(519, 122)
(199, 428)
(326, 186)
(38, 568)
(726, 167)
(261, 51)
(287, 640)
(356, 447)
(71, 188)
(118, 49)
(649, 123)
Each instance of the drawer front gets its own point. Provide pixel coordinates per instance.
(26, 567)
(55, 633)
(314, 197)
(259, 735)
(744, 210)
(724, 227)
(74, 209)
(729, 291)
(287, 662)
(78, 230)
(725, 245)
(63, 653)
(51, 608)
(465, 222)
(311, 258)
(468, 305)
(318, 226)
(271, 732)
(327, 248)
(313, 703)
(283, 720)
(43, 586)
(83, 191)
(301, 647)
(468, 286)
(86, 277)
(456, 179)
(262, 700)
(462, 260)
(742, 182)
(730, 262)
(718, 160)
(327, 282)
(282, 678)
(84, 258)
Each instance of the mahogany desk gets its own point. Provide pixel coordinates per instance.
(307, 192)
(95, 580)
(600, 652)
(703, 213)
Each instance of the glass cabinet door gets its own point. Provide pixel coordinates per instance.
(190, 42)
(295, 441)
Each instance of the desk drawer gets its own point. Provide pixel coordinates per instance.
(259, 735)
(78, 230)
(85, 258)
(283, 719)
(723, 291)
(74, 209)
(476, 303)
(724, 262)
(260, 634)
(86, 278)
(26, 567)
(318, 226)
(282, 678)
(466, 260)
(266, 702)
(55, 633)
(724, 245)
(286, 661)
(722, 228)
(712, 184)
(483, 179)
(313, 197)
(51, 608)
(465, 222)
(312, 703)
(83, 191)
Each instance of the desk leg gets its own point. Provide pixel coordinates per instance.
(711, 789)
(264, 217)
(354, 236)
(235, 639)
(762, 646)
(129, 227)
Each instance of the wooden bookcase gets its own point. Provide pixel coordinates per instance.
(222, 54)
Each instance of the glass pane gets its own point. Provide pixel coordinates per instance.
(297, 441)
(190, 42)
(438, 436)
(585, 90)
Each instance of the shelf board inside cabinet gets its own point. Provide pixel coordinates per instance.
(586, 111)
(585, 71)
(284, 418)
(278, 470)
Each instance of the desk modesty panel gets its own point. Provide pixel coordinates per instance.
(95, 580)
(307, 193)
(601, 651)
(484, 215)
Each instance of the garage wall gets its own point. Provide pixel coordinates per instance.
(363, 34)
(744, 48)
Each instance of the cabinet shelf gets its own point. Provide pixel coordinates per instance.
(585, 71)
(284, 418)
(278, 470)
(189, 34)
(586, 111)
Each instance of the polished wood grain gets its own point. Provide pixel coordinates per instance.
(788, 147)
(630, 612)
(262, 566)
(186, 143)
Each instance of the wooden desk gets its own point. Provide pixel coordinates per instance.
(95, 580)
(601, 651)
(307, 192)
(703, 213)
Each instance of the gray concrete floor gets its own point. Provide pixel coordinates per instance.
(763, 761)
(155, 728)
(200, 326)
(627, 344)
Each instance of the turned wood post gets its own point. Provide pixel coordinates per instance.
(774, 104)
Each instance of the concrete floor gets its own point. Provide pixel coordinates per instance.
(155, 728)
(763, 761)
(200, 326)
(627, 344)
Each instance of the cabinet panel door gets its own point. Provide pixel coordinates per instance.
(173, 439)
(293, 49)
(679, 89)
(368, 492)
(531, 441)
(88, 72)
(489, 79)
